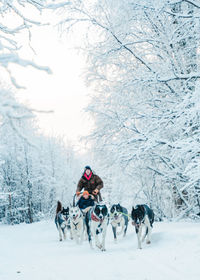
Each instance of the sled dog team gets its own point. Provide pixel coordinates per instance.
(93, 223)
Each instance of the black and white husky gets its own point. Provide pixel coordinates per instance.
(142, 216)
(119, 218)
(76, 224)
(62, 220)
(96, 224)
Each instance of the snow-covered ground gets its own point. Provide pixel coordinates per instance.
(33, 252)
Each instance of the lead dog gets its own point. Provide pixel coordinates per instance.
(119, 218)
(62, 220)
(96, 223)
(76, 224)
(142, 216)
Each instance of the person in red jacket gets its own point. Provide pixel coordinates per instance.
(90, 182)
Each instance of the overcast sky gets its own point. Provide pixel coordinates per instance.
(63, 91)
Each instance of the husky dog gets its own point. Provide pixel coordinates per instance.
(96, 223)
(76, 224)
(62, 220)
(119, 218)
(142, 216)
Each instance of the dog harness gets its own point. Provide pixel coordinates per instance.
(75, 225)
(94, 218)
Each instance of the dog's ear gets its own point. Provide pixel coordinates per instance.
(96, 209)
(105, 210)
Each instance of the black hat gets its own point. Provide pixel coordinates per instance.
(88, 167)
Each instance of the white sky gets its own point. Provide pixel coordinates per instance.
(63, 91)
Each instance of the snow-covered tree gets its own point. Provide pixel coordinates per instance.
(144, 71)
(35, 170)
(16, 19)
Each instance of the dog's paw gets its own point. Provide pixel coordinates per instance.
(60, 239)
(103, 249)
(148, 242)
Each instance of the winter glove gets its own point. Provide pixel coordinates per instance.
(95, 192)
(78, 193)
(86, 209)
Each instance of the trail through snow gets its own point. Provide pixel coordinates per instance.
(33, 252)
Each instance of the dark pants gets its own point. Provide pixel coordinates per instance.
(87, 219)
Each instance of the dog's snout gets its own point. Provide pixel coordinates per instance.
(137, 221)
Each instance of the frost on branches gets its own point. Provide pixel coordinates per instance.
(14, 21)
(144, 73)
(35, 170)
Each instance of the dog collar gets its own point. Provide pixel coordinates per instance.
(94, 217)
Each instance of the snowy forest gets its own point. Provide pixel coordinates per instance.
(142, 73)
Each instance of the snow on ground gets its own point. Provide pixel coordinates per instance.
(33, 252)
